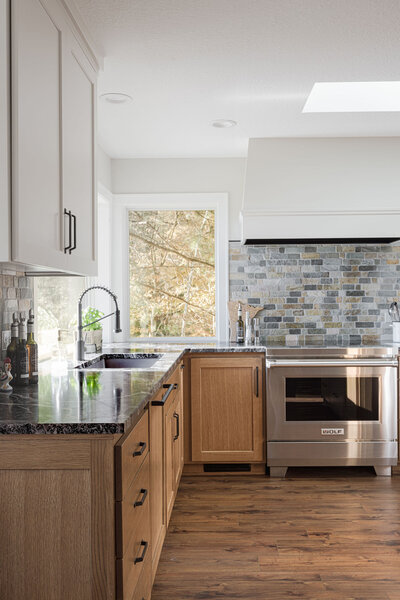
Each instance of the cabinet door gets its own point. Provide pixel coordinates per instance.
(5, 183)
(36, 51)
(227, 409)
(169, 432)
(79, 183)
(157, 505)
(177, 447)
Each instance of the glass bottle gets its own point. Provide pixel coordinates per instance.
(240, 326)
(22, 354)
(32, 348)
(11, 351)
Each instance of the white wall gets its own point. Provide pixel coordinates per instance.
(103, 168)
(169, 175)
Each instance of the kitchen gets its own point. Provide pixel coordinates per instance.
(189, 158)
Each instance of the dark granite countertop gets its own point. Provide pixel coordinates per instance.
(91, 401)
(68, 400)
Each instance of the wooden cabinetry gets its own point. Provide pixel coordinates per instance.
(51, 150)
(166, 457)
(133, 534)
(227, 422)
(57, 517)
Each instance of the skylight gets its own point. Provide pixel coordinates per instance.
(354, 96)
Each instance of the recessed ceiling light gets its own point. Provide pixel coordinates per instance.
(354, 96)
(116, 98)
(224, 123)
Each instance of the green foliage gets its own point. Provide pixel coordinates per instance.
(91, 314)
(93, 385)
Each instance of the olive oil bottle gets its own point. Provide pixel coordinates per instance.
(22, 354)
(240, 326)
(32, 348)
(11, 351)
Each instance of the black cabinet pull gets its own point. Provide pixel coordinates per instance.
(172, 386)
(142, 499)
(176, 416)
(143, 446)
(74, 246)
(140, 558)
(69, 214)
(257, 391)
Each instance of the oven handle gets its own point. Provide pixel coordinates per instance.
(331, 363)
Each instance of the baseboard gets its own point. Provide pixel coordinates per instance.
(396, 469)
(197, 469)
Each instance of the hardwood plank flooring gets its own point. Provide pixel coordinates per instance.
(319, 534)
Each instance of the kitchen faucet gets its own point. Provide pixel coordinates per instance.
(81, 343)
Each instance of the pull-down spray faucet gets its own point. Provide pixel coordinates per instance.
(81, 343)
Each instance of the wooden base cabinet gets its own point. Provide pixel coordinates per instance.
(166, 458)
(133, 530)
(57, 517)
(227, 417)
(173, 451)
(157, 483)
(84, 517)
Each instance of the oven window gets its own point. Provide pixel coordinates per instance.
(332, 399)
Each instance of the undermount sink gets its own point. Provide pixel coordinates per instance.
(110, 361)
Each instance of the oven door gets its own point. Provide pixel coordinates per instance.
(331, 401)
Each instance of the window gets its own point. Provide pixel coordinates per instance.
(175, 251)
(56, 300)
(172, 273)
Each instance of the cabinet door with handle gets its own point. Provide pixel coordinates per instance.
(79, 180)
(173, 451)
(227, 409)
(177, 447)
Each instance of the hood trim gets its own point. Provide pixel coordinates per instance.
(307, 241)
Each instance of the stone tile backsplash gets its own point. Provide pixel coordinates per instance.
(318, 294)
(16, 295)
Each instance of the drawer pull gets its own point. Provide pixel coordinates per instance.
(143, 447)
(142, 499)
(68, 213)
(163, 400)
(74, 245)
(140, 558)
(176, 416)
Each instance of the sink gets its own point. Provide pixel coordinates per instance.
(112, 361)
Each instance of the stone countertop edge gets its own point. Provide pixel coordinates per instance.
(21, 426)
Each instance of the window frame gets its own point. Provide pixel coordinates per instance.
(123, 203)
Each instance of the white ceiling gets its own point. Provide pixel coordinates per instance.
(189, 62)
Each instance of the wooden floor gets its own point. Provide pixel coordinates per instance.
(319, 534)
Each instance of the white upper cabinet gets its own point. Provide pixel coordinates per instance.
(36, 38)
(5, 220)
(53, 185)
(79, 181)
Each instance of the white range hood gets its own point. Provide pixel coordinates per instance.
(322, 190)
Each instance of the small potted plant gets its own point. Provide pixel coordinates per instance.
(92, 334)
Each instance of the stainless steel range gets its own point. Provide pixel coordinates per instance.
(331, 407)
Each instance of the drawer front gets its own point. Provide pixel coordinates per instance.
(143, 588)
(137, 555)
(132, 509)
(130, 455)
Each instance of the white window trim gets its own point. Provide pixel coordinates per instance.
(123, 203)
